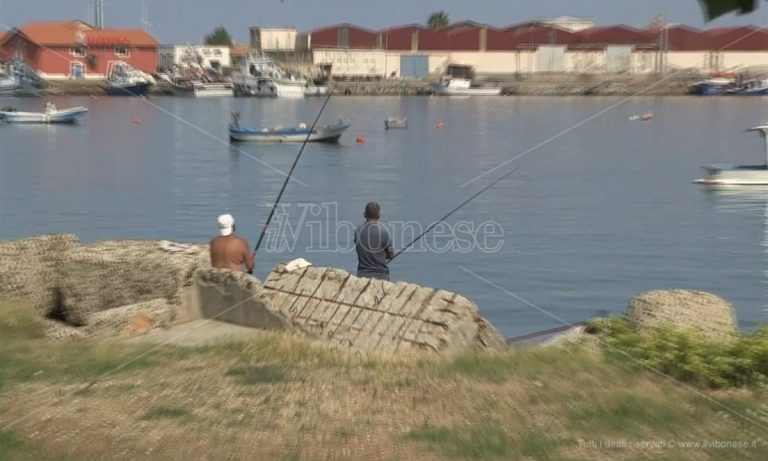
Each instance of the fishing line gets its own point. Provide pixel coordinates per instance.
(448, 215)
(288, 177)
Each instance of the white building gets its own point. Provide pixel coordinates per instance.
(216, 57)
(273, 38)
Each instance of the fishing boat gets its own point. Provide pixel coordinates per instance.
(316, 90)
(752, 87)
(300, 133)
(260, 76)
(391, 123)
(713, 86)
(739, 175)
(18, 79)
(124, 80)
(51, 115)
(459, 80)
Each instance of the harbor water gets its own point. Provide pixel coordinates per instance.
(602, 207)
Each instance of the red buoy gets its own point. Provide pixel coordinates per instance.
(439, 125)
(136, 121)
(360, 139)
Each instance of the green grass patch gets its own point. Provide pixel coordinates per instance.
(167, 412)
(12, 446)
(687, 356)
(258, 374)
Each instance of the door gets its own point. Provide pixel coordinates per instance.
(551, 58)
(618, 58)
(77, 70)
(414, 66)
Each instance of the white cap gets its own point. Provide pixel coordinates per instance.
(226, 224)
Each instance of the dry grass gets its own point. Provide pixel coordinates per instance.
(280, 397)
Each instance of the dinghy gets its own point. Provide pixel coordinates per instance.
(300, 133)
(391, 123)
(51, 115)
(738, 175)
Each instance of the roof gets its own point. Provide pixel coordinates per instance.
(339, 26)
(240, 49)
(619, 34)
(76, 32)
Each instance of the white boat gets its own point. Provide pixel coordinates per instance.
(16, 78)
(124, 80)
(316, 90)
(300, 133)
(212, 90)
(391, 123)
(738, 175)
(260, 76)
(459, 80)
(51, 115)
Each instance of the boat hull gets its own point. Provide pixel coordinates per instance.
(213, 91)
(134, 89)
(263, 87)
(72, 115)
(734, 175)
(442, 90)
(325, 134)
(395, 123)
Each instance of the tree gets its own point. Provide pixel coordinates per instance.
(716, 8)
(219, 37)
(437, 19)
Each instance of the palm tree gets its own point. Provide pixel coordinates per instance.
(437, 19)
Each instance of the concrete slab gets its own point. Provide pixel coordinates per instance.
(202, 332)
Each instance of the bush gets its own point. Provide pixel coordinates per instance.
(687, 356)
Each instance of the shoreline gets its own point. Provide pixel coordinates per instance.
(514, 85)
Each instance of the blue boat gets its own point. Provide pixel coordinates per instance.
(301, 133)
(713, 86)
(754, 87)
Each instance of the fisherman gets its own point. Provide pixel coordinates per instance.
(229, 251)
(373, 245)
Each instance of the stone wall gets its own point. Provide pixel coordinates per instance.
(29, 270)
(376, 315)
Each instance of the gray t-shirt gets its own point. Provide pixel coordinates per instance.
(372, 242)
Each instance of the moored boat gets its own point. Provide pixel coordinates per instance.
(212, 90)
(51, 115)
(713, 86)
(300, 133)
(459, 80)
(738, 175)
(752, 87)
(260, 76)
(124, 80)
(391, 123)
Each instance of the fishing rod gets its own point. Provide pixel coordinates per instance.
(448, 215)
(290, 172)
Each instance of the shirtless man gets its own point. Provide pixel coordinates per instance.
(229, 251)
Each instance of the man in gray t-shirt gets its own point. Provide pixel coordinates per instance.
(373, 245)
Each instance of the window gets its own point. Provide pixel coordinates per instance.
(77, 51)
(122, 51)
(217, 52)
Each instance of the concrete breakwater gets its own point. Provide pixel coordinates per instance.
(125, 287)
(521, 84)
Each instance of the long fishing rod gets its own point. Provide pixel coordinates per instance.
(448, 215)
(290, 172)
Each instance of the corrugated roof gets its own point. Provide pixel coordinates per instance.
(614, 35)
(76, 32)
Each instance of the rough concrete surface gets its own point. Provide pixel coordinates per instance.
(375, 315)
(696, 311)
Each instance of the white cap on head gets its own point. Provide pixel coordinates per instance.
(226, 224)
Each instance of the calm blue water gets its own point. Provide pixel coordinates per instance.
(592, 218)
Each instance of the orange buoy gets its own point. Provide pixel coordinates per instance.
(136, 121)
(360, 139)
(439, 125)
(647, 116)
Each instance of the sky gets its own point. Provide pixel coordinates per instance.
(187, 21)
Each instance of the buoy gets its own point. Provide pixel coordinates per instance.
(360, 139)
(440, 125)
(647, 116)
(136, 121)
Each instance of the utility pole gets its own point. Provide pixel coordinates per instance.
(144, 15)
(99, 14)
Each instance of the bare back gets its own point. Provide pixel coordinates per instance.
(231, 252)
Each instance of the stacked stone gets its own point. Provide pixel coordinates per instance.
(121, 320)
(696, 311)
(380, 316)
(29, 271)
(109, 274)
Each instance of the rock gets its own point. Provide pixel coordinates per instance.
(379, 316)
(109, 274)
(131, 319)
(29, 270)
(697, 311)
(58, 331)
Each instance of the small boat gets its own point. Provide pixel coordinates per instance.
(753, 87)
(206, 90)
(260, 76)
(713, 86)
(124, 80)
(738, 175)
(51, 115)
(391, 123)
(316, 90)
(300, 133)
(459, 80)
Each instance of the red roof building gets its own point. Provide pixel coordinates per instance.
(74, 49)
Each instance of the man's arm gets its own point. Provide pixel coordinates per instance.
(248, 257)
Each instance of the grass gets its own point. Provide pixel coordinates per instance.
(281, 397)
